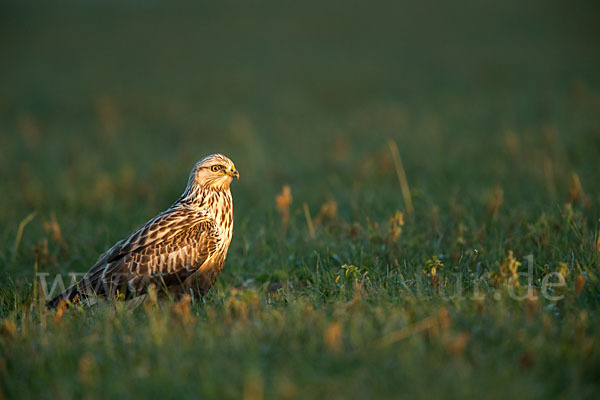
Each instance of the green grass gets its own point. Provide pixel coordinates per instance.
(495, 109)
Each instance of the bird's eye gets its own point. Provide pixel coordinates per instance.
(215, 168)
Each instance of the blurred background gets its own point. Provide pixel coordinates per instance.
(106, 106)
(333, 288)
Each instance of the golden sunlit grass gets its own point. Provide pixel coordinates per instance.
(397, 291)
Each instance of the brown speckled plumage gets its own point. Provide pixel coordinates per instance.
(182, 249)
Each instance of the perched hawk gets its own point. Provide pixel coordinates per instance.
(180, 250)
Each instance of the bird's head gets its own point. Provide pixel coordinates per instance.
(214, 171)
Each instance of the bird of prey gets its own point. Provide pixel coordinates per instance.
(180, 250)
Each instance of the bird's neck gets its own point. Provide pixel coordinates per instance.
(216, 200)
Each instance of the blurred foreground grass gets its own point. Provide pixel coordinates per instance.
(495, 110)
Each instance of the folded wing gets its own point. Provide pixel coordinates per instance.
(166, 252)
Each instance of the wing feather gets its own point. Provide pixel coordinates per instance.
(166, 251)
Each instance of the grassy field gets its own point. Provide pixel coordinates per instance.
(338, 288)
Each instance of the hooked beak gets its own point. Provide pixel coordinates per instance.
(234, 173)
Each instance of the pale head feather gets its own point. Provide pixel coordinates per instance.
(213, 172)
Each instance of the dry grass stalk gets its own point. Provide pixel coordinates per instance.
(283, 201)
(328, 211)
(19, 236)
(579, 284)
(395, 227)
(401, 177)
(509, 268)
(576, 193)
(311, 228)
(52, 227)
(438, 322)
